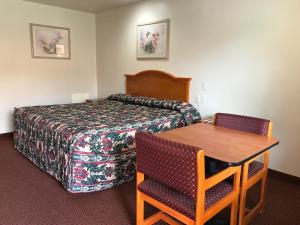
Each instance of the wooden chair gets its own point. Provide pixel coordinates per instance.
(171, 177)
(252, 171)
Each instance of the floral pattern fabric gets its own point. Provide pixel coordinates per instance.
(91, 146)
(189, 112)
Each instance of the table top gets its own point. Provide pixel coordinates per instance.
(227, 145)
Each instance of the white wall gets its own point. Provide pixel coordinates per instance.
(248, 51)
(26, 81)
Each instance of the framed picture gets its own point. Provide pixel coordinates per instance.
(50, 42)
(153, 40)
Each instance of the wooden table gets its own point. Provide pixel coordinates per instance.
(227, 145)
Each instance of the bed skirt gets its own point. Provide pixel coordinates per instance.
(84, 172)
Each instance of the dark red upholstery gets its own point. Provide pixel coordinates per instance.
(254, 168)
(181, 202)
(168, 162)
(242, 123)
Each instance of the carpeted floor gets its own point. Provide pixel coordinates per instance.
(29, 196)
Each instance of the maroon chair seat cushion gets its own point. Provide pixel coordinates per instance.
(181, 202)
(254, 168)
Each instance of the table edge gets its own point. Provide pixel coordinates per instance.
(251, 157)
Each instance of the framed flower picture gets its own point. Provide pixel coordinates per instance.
(50, 42)
(153, 40)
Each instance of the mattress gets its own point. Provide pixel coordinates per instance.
(90, 146)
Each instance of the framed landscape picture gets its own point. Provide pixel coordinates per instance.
(50, 42)
(153, 40)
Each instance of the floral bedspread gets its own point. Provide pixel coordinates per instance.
(90, 146)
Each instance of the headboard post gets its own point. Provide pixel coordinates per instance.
(158, 84)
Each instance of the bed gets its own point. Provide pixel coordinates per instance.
(90, 146)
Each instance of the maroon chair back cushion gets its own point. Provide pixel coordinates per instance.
(243, 123)
(168, 162)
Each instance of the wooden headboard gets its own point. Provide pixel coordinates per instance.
(158, 84)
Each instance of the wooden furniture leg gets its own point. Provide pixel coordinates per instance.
(243, 194)
(264, 181)
(246, 218)
(139, 200)
(234, 204)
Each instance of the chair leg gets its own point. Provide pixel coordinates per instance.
(139, 209)
(200, 220)
(264, 182)
(262, 193)
(233, 212)
(139, 200)
(235, 203)
(242, 207)
(243, 194)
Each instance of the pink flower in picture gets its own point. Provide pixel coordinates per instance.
(153, 39)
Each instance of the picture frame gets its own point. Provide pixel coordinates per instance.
(153, 40)
(50, 42)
